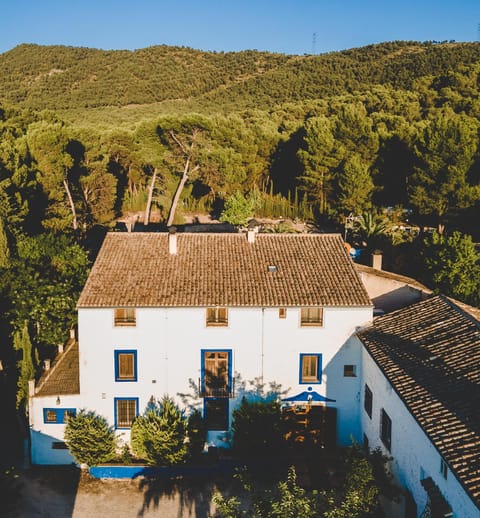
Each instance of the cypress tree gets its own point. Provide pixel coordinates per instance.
(4, 249)
(26, 368)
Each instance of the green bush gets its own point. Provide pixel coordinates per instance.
(90, 439)
(257, 428)
(158, 436)
(196, 433)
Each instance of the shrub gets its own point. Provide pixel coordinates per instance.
(257, 428)
(196, 433)
(158, 435)
(89, 438)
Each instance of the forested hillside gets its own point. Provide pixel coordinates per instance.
(370, 137)
(55, 77)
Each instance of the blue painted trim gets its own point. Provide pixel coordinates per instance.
(136, 399)
(117, 352)
(60, 414)
(319, 369)
(131, 472)
(202, 367)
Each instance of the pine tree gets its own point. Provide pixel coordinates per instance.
(89, 438)
(158, 435)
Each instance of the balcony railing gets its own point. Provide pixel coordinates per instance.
(220, 390)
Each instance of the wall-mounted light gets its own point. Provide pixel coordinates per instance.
(58, 400)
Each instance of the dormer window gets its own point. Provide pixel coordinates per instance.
(311, 316)
(124, 317)
(217, 316)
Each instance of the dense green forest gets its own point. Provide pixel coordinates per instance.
(380, 137)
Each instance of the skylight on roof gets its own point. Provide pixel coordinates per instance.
(272, 268)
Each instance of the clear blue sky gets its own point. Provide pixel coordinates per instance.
(286, 26)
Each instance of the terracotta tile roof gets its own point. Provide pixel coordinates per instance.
(136, 269)
(430, 352)
(63, 377)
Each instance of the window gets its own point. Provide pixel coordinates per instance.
(282, 312)
(443, 468)
(216, 374)
(310, 368)
(311, 316)
(217, 316)
(124, 317)
(126, 409)
(386, 430)
(368, 401)
(216, 413)
(349, 371)
(125, 365)
(58, 415)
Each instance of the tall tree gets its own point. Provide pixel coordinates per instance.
(25, 364)
(320, 157)
(4, 248)
(451, 265)
(184, 140)
(49, 144)
(150, 152)
(354, 186)
(440, 184)
(354, 131)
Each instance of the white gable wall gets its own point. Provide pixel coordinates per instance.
(414, 456)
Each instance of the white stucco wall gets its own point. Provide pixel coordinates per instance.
(414, 456)
(169, 342)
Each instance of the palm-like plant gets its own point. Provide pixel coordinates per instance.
(371, 229)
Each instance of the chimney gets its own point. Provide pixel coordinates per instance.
(72, 333)
(46, 364)
(377, 259)
(60, 348)
(251, 235)
(172, 241)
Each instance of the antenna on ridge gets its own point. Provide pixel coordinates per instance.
(314, 42)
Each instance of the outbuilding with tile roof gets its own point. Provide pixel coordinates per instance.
(421, 369)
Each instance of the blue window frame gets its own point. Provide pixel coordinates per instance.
(126, 410)
(125, 365)
(216, 373)
(310, 368)
(58, 415)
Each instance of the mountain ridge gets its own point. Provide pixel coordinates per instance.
(61, 77)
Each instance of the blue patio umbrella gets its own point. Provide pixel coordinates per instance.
(307, 396)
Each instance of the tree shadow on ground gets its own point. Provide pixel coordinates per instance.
(194, 494)
(44, 491)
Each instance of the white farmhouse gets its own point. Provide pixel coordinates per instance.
(161, 310)
(205, 313)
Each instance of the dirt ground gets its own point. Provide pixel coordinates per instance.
(68, 492)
